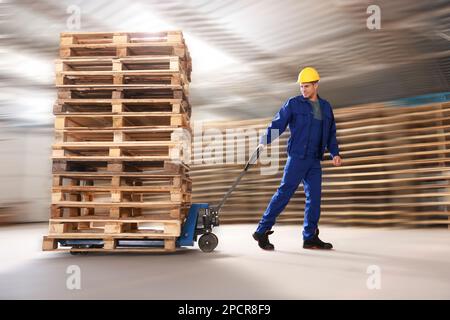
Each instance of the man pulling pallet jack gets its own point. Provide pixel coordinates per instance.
(313, 128)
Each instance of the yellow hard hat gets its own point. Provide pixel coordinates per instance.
(308, 74)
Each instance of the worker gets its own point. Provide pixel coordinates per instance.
(313, 128)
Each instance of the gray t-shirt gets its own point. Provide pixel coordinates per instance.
(317, 111)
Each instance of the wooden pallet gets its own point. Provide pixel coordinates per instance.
(110, 244)
(151, 209)
(129, 150)
(151, 90)
(125, 120)
(122, 50)
(112, 50)
(167, 134)
(172, 64)
(103, 226)
(76, 44)
(174, 36)
(101, 106)
(104, 66)
(121, 181)
(137, 166)
(120, 194)
(125, 92)
(120, 78)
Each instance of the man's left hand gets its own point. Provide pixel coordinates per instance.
(337, 161)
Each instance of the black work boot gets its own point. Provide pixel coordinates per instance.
(263, 240)
(316, 243)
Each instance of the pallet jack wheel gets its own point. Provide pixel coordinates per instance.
(208, 242)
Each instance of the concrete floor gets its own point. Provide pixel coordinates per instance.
(413, 264)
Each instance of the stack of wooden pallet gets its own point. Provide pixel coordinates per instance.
(122, 140)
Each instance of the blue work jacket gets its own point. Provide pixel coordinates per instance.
(297, 113)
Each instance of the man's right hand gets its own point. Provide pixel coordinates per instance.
(337, 161)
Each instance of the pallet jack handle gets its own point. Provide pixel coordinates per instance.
(251, 161)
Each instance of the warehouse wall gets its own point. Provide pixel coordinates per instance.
(25, 174)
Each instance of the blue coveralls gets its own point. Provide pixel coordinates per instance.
(306, 146)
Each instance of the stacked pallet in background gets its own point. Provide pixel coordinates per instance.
(395, 171)
(122, 139)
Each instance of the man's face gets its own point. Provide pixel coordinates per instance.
(308, 89)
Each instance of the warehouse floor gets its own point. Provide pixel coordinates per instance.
(413, 264)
